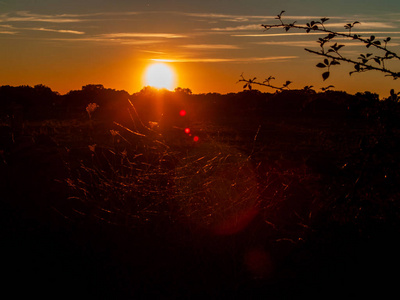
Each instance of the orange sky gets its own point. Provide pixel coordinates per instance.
(66, 47)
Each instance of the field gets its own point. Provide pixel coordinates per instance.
(282, 195)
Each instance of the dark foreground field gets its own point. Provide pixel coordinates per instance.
(282, 196)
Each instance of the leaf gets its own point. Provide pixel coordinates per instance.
(323, 20)
(325, 75)
(326, 61)
(321, 65)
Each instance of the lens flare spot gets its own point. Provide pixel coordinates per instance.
(187, 130)
(196, 139)
(182, 113)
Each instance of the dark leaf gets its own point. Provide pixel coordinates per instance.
(377, 43)
(330, 36)
(372, 38)
(326, 61)
(321, 65)
(325, 75)
(323, 20)
(335, 62)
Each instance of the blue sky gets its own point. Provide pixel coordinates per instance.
(67, 44)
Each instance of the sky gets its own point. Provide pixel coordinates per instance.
(209, 44)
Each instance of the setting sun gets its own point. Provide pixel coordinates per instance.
(160, 75)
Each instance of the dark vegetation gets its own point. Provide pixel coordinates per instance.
(293, 193)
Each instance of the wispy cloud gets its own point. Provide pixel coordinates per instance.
(7, 29)
(247, 18)
(57, 30)
(142, 35)
(210, 46)
(7, 32)
(101, 40)
(279, 34)
(231, 60)
(362, 25)
(313, 43)
(24, 16)
(238, 28)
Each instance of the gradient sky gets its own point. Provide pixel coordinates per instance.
(68, 44)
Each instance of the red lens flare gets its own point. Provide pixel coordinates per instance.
(196, 139)
(187, 130)
(182, 113)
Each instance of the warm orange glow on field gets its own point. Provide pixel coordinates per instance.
(160, 76)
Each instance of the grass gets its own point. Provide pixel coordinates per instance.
(261, 204)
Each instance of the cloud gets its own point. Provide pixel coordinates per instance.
(24, 16)
(279, 34)
(247, 18)
(7, 32)
(210, 46)
(290, 43)
(142, 35)
(57, 30)
(232, 60)
(362, 25)
(99, 39)
(239, 28)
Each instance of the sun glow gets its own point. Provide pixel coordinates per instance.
(160, 76)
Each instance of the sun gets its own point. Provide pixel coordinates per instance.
(160, 76)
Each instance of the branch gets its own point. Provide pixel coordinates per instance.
(360, 66)
(250, 82)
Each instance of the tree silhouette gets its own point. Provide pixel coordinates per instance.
(332, 55)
